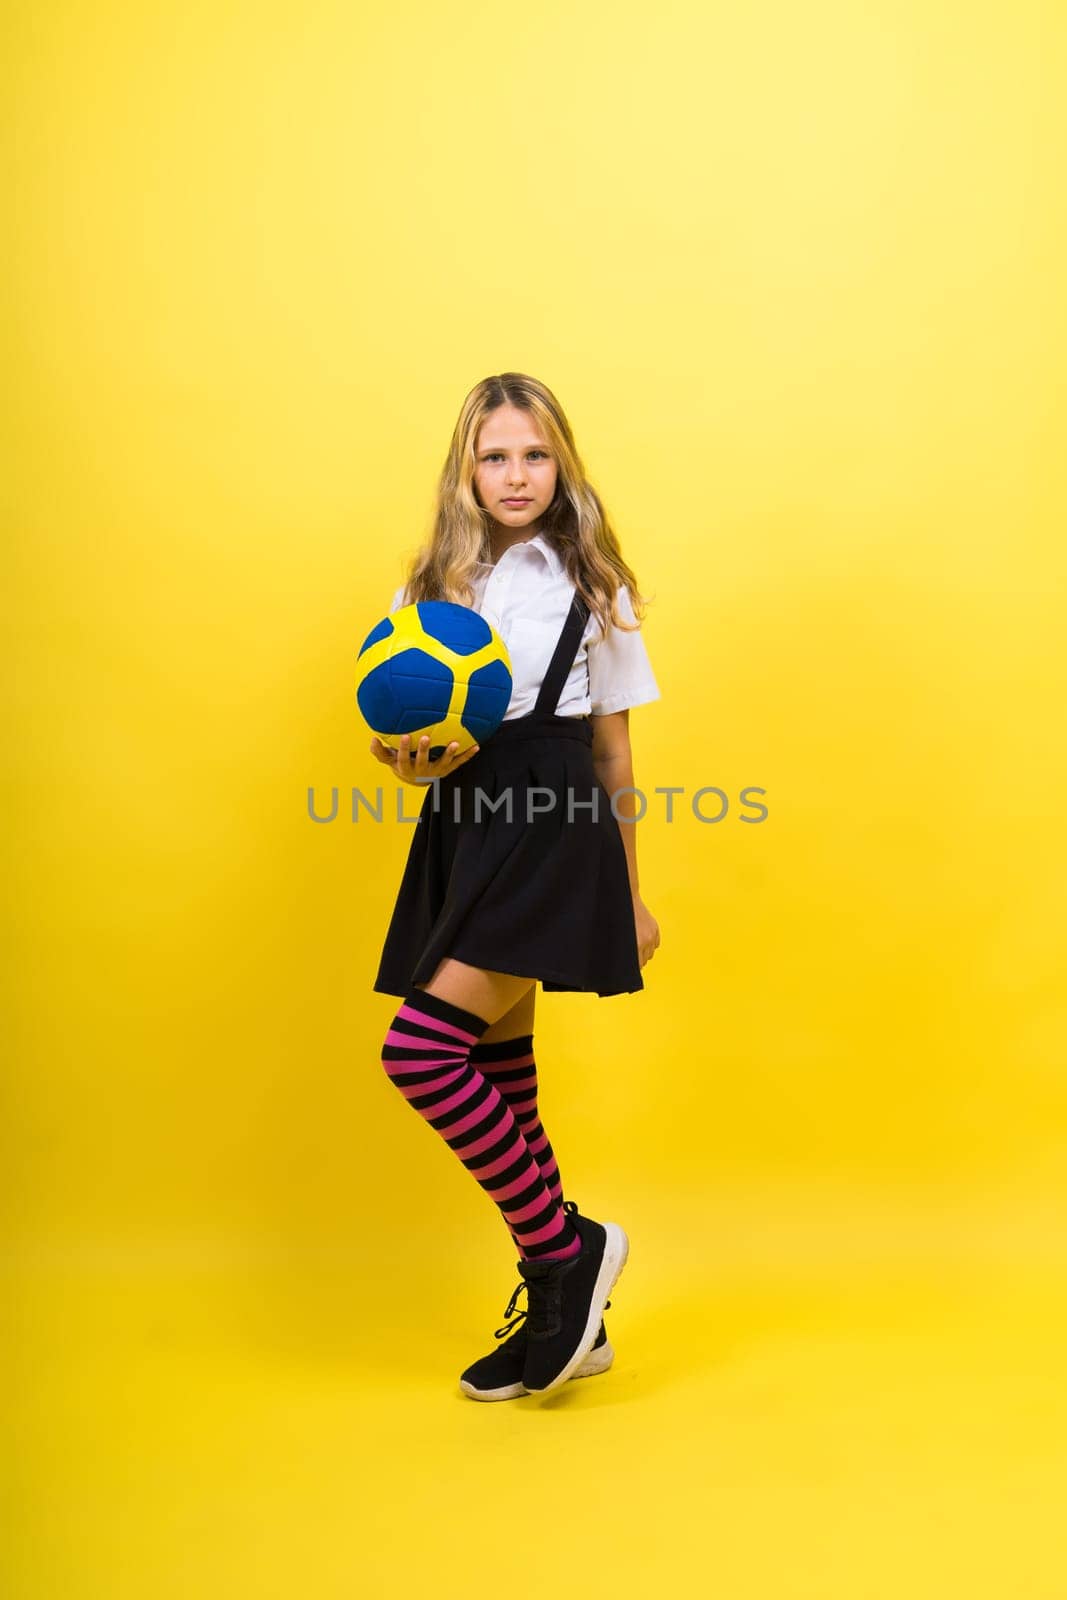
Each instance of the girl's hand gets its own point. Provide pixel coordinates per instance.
(416, 767)
(647, 929)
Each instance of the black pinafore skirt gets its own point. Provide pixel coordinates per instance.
(517, 863)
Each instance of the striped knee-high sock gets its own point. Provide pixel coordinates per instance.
(509, 1065)
(427, 1055)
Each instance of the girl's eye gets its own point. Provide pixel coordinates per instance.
(496, 455)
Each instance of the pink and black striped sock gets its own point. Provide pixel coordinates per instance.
(509, 1065)
(426, 1054)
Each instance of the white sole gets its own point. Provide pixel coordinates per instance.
(510, 1391)
(598, 1360)
(616, 1250)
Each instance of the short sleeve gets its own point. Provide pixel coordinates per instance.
(620, 672)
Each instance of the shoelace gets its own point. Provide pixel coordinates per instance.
(502, 1333)
(520, 1316)
(545, 1300)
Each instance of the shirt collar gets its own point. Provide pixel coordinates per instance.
(547, 549)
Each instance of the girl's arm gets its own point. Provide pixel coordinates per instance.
(613, 761)
(613, 764)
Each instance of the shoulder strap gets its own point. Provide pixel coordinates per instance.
(563, 655)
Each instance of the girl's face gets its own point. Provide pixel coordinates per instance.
(514, 464)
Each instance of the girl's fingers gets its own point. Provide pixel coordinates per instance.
(448, 760)
(416, 763)
(466, 756)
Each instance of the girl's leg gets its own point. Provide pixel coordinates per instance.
(491, 995)
(505, 1055)
(427, 1055)
(519, 1020)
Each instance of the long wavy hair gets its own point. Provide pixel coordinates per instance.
(575, 522)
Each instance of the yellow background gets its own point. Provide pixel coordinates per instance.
(795, 273)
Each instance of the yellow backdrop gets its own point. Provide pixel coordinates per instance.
(795, 273)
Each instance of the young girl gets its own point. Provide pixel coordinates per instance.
(518, 871)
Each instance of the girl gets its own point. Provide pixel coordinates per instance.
(518, 871)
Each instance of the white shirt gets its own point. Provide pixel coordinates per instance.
(525, 596)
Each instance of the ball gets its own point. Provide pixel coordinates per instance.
(434, 668)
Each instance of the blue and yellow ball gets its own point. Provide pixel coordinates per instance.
(434, 668)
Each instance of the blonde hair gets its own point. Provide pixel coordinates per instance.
(575, 523)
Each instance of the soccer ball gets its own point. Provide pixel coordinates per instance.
(435, 668)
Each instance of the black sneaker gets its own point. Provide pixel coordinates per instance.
(498, 1376)
(565, 1300)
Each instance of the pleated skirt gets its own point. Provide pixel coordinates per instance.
(527, 879)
